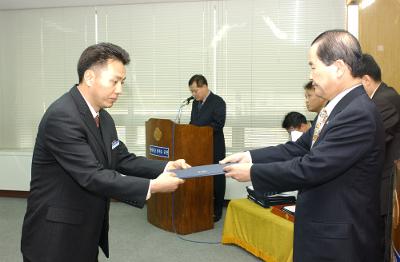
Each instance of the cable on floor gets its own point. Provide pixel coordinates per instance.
(179, 236)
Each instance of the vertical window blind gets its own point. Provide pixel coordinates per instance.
(262, 63)
(39, 52)
(253, 53)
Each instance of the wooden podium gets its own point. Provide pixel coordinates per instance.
(191, 206)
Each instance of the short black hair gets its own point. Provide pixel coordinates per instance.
(99, 54)
(371, 68)
(309, 85)
(293, 119)
(200, 80)
(339, 44)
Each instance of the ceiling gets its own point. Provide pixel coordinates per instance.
(28, 4)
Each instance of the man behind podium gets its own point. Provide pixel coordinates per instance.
(295, 121)
(336, 170)
(295, 124)
(209, 109)
(79, 164)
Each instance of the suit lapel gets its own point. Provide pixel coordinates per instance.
(208, 100)
(206, 104)
(343, 103)
(87, 117)
(346, 100)
(379, 91)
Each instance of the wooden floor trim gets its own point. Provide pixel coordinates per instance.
(24, 194)
(14, 193)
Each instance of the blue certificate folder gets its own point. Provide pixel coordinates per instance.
(199, 171)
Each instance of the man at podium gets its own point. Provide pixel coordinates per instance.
(209, 109)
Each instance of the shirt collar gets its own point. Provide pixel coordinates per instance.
(332, 103)
(373, 93)
(94, 113)
(204, 100)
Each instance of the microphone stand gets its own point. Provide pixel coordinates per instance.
(183, 104)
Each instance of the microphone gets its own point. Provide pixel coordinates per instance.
(184, 103)
(187, 100)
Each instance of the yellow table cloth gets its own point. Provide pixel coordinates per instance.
(258, 231)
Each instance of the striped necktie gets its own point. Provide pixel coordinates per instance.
(97, 120)
(322, 117)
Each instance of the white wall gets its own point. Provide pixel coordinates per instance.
(16, 170)
(235, 189)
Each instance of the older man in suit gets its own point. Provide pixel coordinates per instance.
(387, 101)
(336, 165)
(79, 164)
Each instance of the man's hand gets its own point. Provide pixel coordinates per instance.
(240, 172)
(165, 182)
(177, 164)
(242, 157)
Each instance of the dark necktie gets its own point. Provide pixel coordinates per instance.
(97, 120)
(199, 105)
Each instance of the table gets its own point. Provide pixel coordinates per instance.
(258, 231)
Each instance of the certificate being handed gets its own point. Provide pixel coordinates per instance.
(200, 171)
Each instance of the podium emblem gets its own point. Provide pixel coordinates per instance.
(157, 134)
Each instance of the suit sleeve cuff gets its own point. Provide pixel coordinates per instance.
(148, 190)
(249, 156)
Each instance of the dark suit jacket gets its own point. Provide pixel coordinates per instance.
(387, 101)
(76, 168)
(337, 210)
(212, 113)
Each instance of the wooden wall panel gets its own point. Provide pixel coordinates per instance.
(379, 35)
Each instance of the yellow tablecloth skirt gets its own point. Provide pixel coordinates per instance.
(258, 231)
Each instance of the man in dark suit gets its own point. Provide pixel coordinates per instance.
(387, 101)
(336, 165)
(79, 164)
(209, 109)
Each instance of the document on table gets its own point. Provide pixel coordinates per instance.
(200, 171)
(290, 209)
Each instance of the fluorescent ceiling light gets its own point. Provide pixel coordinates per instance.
(275, 30)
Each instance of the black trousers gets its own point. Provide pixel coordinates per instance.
(27, 260)
(387, 218)
(387, 237)
(219, 194)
